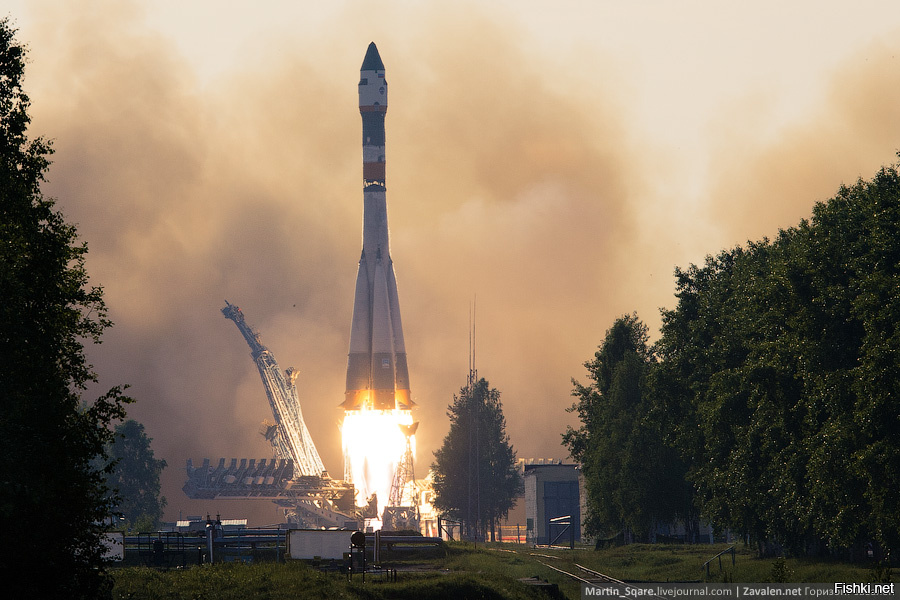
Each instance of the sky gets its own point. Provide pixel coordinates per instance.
(552, 163)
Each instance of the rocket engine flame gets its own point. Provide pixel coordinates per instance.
(373, 446)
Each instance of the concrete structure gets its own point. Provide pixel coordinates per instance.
(552, 491)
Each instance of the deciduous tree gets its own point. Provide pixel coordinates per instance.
(633, 478)
(52, 497)
(781, 358)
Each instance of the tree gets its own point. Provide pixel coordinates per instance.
(633, 479)
(52, 497)
(135, 477)
(782, 359)
(475, 475)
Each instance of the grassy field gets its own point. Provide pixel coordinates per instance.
(663, 562)
(488, 572)
(297, 581)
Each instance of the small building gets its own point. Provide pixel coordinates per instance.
(552, 491)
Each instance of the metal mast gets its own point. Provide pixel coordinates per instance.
(403, 487)
(291, 438)
(473, 405)
(402, 511)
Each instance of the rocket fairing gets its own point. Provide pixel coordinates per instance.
(377, 374)
(372, 107)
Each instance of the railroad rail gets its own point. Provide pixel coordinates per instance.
(591, 577)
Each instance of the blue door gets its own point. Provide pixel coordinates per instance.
(561, 499)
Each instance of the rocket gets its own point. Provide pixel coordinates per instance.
(377, 374)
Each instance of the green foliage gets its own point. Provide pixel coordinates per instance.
(468, 573)
(52, 498)
(881, 572)
(296, 581)
(475, 476)
(135, 477)
(781, 362)
(780, 572)
(632, 477)
(684, 562)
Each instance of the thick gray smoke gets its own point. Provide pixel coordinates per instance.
(509, 178)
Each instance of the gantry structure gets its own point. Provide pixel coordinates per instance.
(296, 478)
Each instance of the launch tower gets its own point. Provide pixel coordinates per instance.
(295, 479)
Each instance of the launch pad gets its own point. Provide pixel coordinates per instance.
(296, 479)
(378, 455)
(308, 499)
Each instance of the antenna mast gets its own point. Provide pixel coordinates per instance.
(474, 409)
(473, 373)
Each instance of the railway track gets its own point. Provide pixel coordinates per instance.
(591, 577)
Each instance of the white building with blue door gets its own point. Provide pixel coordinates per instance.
(553, 492)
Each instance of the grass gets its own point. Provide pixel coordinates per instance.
(664, 562)
(489, 572)
(295, 580)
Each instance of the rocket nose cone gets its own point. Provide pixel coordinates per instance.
(372, 61)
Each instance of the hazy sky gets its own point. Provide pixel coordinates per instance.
(555, 159)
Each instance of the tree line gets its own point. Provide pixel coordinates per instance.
(768, 405)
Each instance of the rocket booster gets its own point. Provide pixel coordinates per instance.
(377, 374)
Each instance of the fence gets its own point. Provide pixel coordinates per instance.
(514, 534)
(510, 534)
(170, 549)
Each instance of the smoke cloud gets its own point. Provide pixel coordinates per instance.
(512, 183)
(763, 182)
